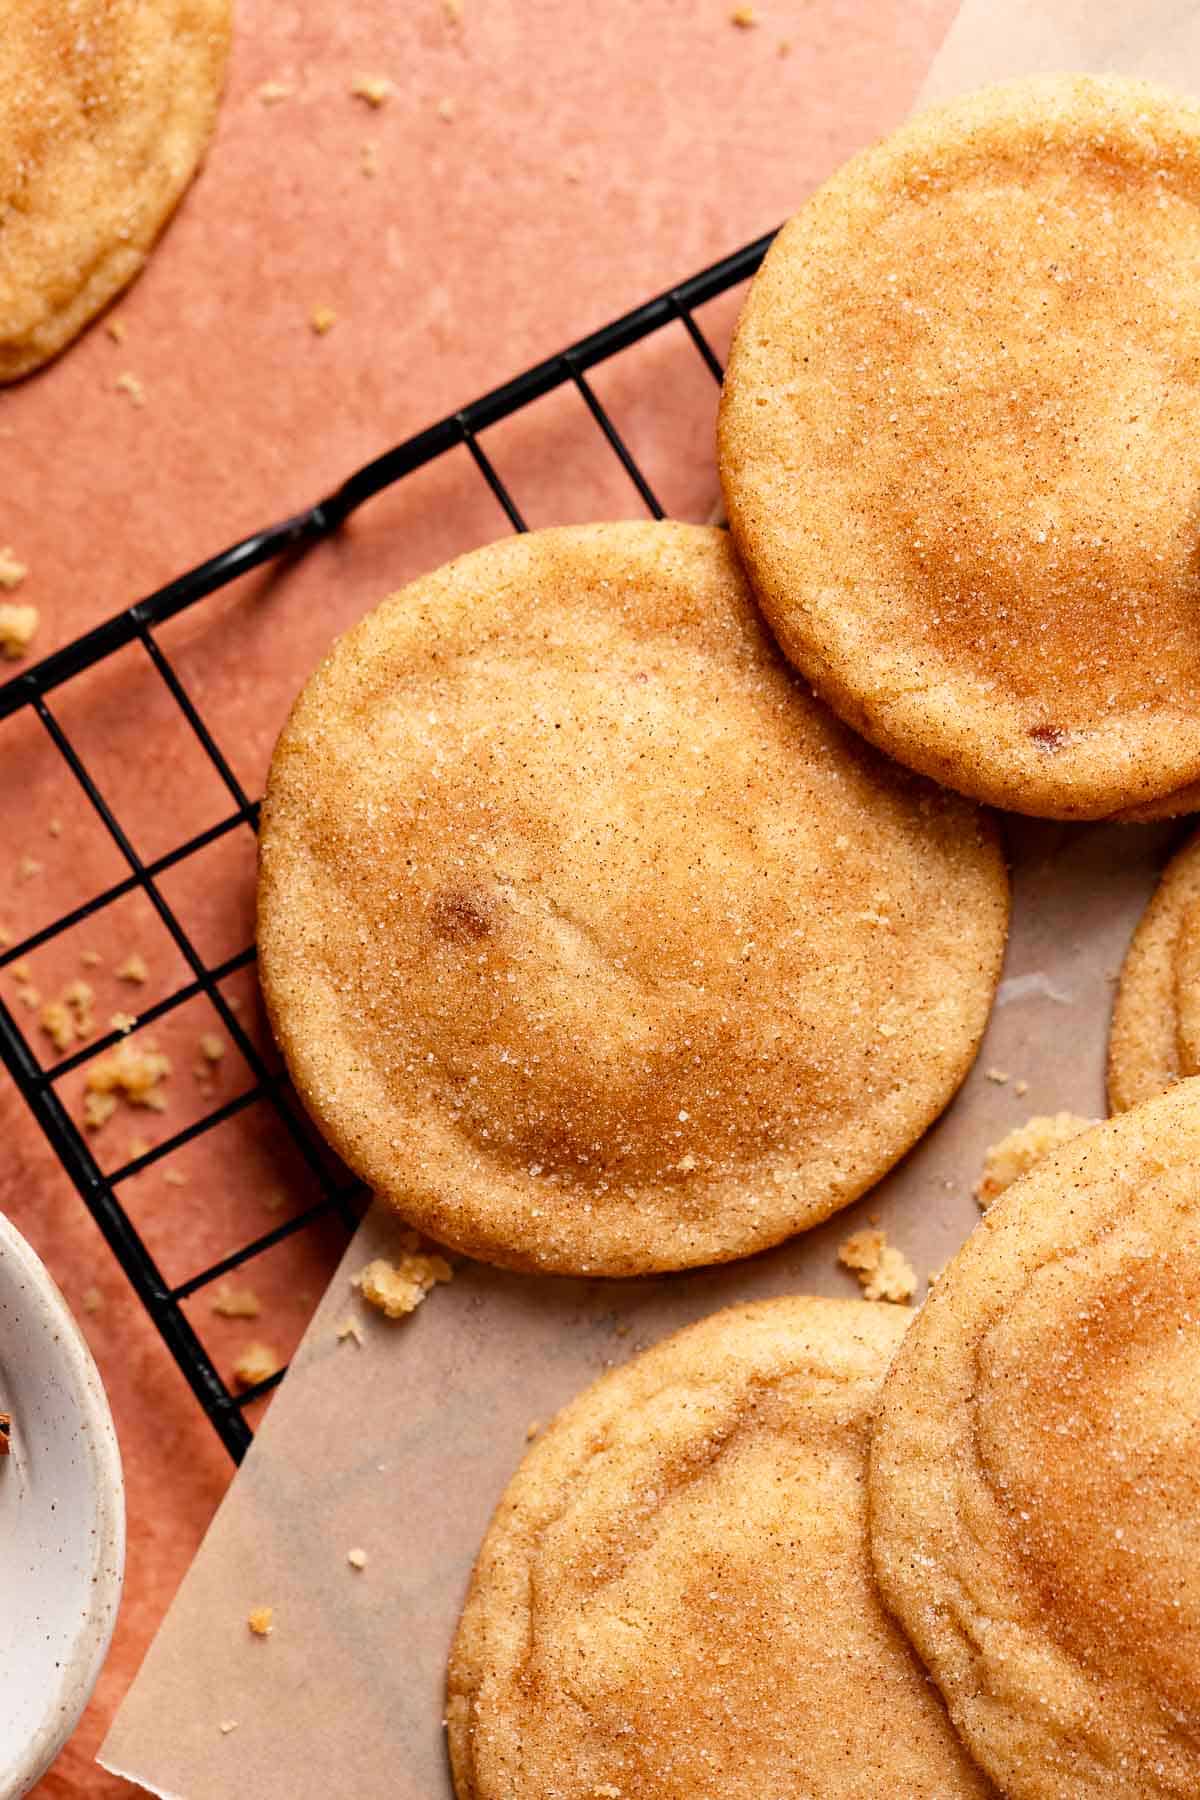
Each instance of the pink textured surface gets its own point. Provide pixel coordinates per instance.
(594, 156)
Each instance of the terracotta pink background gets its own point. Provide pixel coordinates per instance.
(596, 154)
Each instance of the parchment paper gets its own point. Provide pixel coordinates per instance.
(402, 1446)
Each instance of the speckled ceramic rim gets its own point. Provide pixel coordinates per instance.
(54, 1333)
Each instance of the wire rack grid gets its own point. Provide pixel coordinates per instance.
(338, 1195)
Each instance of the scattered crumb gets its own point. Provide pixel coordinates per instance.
(133, 969)
(91, 959)
(744, 17)
(532, 1429)
(572, 173)
(322, 319)
(234, 1003)
(446, 109)
(784, 47)
(228, 1725)
(350, 1328)
(139, 1147)
(999, 1076)
(272, 92)
(357, 1559)
(273, 1200)
(1018, 1151)
(374, 89)
(236, 1303)
(69, 1017)
(54, 827)
(30, 997)
(92, 1300)
(175, 1178)
(18, 628)
(453, 10)
(130, 1072)
(212, 1049)
(127, 383)
(399, 1288)
(257, 1362)
(122, 1021)
(98, 1109)
(12, 570)
(1020, 1089)
(5, 937)
(21, 971)
(884, 1272)
(116, 330)
(261, 1620)
(368, 158)
(28, 867)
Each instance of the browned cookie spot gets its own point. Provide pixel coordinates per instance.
(460, 917)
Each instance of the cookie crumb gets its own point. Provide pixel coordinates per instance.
(1020, 1089)
(1017, 1152)
(357, 1559)
(212, 1049)
(261, 1620)
(128, 383)
(744, 17)
(399, 1288)
(272, 92)
(999, 1076)
(90, 959)
(228, 1725)
(532, 1429)
(116, 330)
(18, 628)
(12, 570)
(446, 109)
(133, 969)
(273, 1200)
(236, 1303)
(257, 1362)
(784, 47)
(139, 1147)
(54, 827)
(30, 997)
(368, 158)
(130, 1072)
(29, 867)
(175, 1178)
(350, 1328)
(884, 1272)
(122, 1021)
(322, 319)
(453, 10)
(92, 1300)
(374, 89)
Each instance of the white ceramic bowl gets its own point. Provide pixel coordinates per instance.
(62, 1519)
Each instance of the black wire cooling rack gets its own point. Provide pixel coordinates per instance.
(338, 1194)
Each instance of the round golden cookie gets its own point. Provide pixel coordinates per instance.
(1155, 1034)
(1035, 1470)
(591, 940)
(960, 439)
(674, 1600)
(108, 106)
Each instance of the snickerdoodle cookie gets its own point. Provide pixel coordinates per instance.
(107, 108)
(1035, 1482)
(592, 941)
(960, 443)
(675, 1599)
(1155, 1034)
